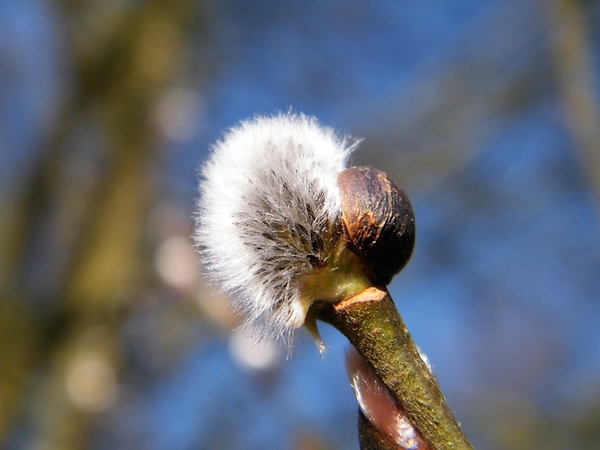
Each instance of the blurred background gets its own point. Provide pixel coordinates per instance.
(486, 112)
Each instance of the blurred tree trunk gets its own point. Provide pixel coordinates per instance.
(93, 233)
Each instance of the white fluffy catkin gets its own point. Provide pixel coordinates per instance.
(269, 215)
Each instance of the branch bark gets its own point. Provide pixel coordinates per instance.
(373, 325)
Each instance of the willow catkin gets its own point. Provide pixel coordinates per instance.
(268, 222)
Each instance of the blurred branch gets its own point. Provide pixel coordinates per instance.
(121, 65)
(576, 83)
(438, 121)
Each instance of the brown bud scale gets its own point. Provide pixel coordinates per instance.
(378, 220)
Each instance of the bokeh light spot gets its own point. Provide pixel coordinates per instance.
(252, 354)
(91, 382)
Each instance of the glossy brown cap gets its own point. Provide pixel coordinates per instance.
(379, 221)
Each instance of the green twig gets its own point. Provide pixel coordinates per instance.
(373, 325)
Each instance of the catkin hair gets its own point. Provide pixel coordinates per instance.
(269, 213)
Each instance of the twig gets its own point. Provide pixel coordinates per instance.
(373, 325)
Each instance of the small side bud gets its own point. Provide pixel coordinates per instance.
(378, 220)
(379, 406)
